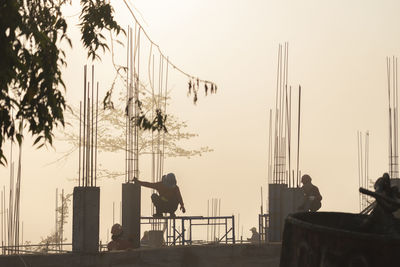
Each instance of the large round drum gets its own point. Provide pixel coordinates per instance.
(333, 239)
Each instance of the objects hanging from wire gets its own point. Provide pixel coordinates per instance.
(194, 87)
(194, 82)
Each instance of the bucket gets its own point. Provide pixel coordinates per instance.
(334, 239)
(156, 238)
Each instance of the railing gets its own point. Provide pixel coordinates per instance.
(179, 230)
(44, 248)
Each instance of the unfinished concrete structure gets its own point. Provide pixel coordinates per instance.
(131, 213)
(86, 199)
(267, 255)
(85, 222)
(284, 192)
(283, 200)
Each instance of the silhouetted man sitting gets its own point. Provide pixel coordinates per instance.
(312, 197)
(169, 195)
(118, 243)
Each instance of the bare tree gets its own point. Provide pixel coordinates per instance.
(112, 134)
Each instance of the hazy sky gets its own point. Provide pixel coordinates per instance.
(337, 53)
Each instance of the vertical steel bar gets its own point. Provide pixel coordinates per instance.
(127, 105)
(233, 229)
(91, 131)
(276, 146)
(388, 67)
(97, 115)
(270, 148)
(88, 140)
(62, 219)
(219, 215)
(208, 215)
(80, 130)
(183, 232)
(298, 137)
(56, 217)
(359, 167)
(84, 128)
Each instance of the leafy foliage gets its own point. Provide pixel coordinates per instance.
(31, 63)
(95, 17)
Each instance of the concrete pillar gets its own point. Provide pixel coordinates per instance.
(131, 213)
(395, 182)
(275, 195)
(85, 220)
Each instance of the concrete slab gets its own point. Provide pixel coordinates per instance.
(267, 255)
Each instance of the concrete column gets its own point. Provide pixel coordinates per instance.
(131, 213)
(85, 220)
(275, 201)
(395, 182)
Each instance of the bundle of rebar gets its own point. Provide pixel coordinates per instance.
(88, 133)
(391, 68)
(280, 170)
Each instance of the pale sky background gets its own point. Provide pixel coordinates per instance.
(337, 52)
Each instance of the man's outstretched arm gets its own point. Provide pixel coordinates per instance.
(147, 184)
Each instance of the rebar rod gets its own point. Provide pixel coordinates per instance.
(298, 137)
(390, 117)
(84, 126)
(88, 140)
(127, 105)
(359, 170)
(270, 148)
(275, 169)
(97, 116)
(80, 130)
(56, 218)
(91, 131)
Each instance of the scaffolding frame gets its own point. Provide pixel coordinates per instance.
(176, 236)
(263, 225)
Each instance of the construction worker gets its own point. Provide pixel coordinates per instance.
(255, 237)
(384, 215)
(117, 242)
(312, 197)
(169, 195)
(145, 239)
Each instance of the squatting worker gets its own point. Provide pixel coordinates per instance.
(312, 197)
(169, 195)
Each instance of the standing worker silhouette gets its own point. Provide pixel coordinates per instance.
(312, 197)
(169, 195)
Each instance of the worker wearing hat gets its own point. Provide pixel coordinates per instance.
(117, 242)
(255, 236)
(312, 197)
(168, 197)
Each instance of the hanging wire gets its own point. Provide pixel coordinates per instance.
(161, 53)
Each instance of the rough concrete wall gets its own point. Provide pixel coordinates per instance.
(85, 217)
(131, 213)
(245, 255)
